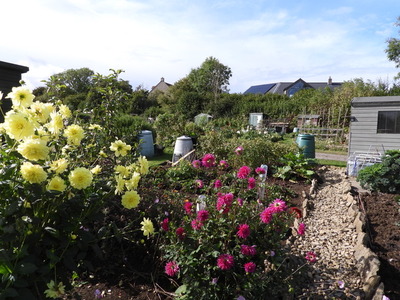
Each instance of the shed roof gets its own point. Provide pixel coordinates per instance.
(375, 101)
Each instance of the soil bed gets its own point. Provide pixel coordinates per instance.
(383, 217)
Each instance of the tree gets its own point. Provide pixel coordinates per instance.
(211, 78)
(393, 49)
(71, 81)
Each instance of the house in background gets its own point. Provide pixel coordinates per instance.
(10, 75)
(290, 88)
(162, 86)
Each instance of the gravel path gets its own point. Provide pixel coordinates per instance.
(331, 234)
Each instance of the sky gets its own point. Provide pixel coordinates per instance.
(261, 41)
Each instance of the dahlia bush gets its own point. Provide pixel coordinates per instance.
(55, 175)
(228, 242)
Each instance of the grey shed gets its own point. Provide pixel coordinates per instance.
(374, 124)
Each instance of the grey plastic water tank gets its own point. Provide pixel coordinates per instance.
(146, 144)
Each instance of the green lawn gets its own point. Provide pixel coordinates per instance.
(157, 160)
(327, 162)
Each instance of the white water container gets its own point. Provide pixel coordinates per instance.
(183, 146)
(146, 144)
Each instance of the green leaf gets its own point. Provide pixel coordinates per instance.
(26, 268)
(181, 290)
(9, 293)
(4, 269)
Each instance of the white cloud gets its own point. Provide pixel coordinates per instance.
(154, 38)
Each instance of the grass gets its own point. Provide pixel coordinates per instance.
(159, 159)
(327, 162)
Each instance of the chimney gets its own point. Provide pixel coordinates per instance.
(162, 79)
(329, 80)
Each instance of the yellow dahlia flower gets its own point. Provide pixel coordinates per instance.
(33, 173)
(95, 127)
(120, 148)
(74, 134)
(18, 126)
(21, 96)
(56, 184)
(147, 227)
(41, 111)
(120, 184)
(80, 178)
(34, 149)
(143, 165)
(102, 153)
(96, 170)
(59, 165)
(56, 123)
(133, 183)
(130, 199)
(122, 170)
(65, 111)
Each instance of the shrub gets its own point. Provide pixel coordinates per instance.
(382, 177)
(294, 167)
(228, 241)
(257, 150)
(54, 178)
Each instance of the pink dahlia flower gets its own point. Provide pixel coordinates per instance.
(266, 215)
(278, 205)
(248, 250)
(260, 170)
(208, 160)
(196, 224)
(243, 231)
(196, 163)
(217, 184)
(225, 261)
(180, 232)
(202, 215)
(171, 268)
(224, 202)
(250, 267)
(311, 256)
(223, 164)
(199, 183)
(251, 183)
(165, 224)
(243, 172)
(188, 207)
(301, 230)
(239, 150)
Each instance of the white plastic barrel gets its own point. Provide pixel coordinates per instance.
(146, 144)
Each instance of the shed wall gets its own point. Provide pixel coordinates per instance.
(363, 130)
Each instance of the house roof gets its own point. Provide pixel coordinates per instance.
(260, 89)
(161, 86)
(282, 87)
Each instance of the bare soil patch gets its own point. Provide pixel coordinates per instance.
(383, 217)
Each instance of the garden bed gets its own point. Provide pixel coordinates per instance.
(383, 218)
(383, 227)
(113, 280)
